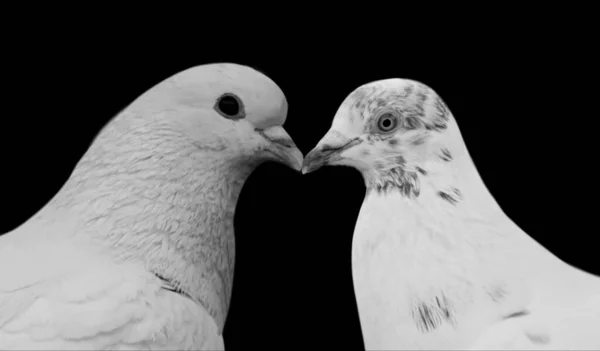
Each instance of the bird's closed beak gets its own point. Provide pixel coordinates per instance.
(283, 147)
(327, 151)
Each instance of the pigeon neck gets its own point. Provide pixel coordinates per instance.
(445, 172)
(453, 178)
(168, 206)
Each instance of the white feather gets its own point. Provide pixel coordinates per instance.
(147, 211)
(432, 274)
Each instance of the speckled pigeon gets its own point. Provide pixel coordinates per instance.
(436, 263)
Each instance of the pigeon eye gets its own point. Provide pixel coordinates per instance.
(230, 106)
(387, 122)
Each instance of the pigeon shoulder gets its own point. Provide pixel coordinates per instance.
(51, 303)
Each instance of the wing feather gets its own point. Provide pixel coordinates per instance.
(49, 303)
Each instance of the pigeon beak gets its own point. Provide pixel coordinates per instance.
(283, 147)
(327, 151)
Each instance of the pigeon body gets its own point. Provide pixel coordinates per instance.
(136, 251)
(436, 263)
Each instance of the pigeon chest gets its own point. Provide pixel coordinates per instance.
(412, 289)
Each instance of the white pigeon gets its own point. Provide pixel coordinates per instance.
(436, 263)
(136, 251)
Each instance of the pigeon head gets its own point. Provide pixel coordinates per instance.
(226, 108)
(389, 130)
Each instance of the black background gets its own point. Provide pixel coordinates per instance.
(523, 103)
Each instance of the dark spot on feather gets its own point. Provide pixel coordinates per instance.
(393, 142)
(416, 112)
(446, 155)
(169, 285)
(395, 179)
(419, 140)
(442, 307)
(374, 138)
(428, 317)
(538, 338)
(360, 109)
(421, 170)
(366, 152)
(436, 126)
(411, 123)
(359, 94)
(447, 197)
(426, 321)
(400, 160)
(441, 109)
(408, 90)
(516, 314)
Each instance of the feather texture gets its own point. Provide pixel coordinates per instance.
(91, 303)
(436, 263)
(136, 251)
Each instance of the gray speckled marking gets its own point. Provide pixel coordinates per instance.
(447, 197)
(375, 138)
(357, 97)
(169, 285)
(446, 155)
(362, 99)
(419, 139)
(420, 110)
(412, 122)
(370, 99)
(497, 293)
(379, 165)
(517, 314)
(423, 94)
(437, 120)
(418, 106)
(429, 316)
(436, 126)
(541, 339)
(441, 109)
(457, 193)
(395, 179)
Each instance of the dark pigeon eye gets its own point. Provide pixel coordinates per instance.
(387, 122)
(230, 106)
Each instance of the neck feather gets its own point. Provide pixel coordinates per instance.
(170, 206)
